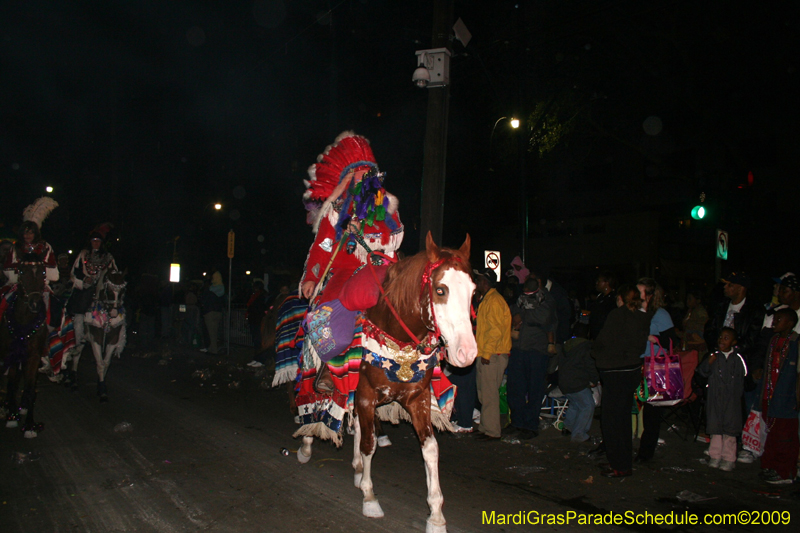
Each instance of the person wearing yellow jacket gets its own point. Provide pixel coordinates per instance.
(494, 344)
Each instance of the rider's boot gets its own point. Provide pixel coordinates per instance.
(102, 391)
(324, 381)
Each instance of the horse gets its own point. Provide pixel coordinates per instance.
(105, 325)
(23, 341)
(424, 309)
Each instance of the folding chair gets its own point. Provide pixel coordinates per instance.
(554, 405)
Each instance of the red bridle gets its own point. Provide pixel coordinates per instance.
(427, 280)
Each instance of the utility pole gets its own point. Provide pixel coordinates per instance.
(435, 158)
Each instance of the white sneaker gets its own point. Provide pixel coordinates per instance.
(204, 350)
(459, 429)
(746, 456)
(727, 466)
(476, 416)
(255, 364)
(714, 463)
(383, 441)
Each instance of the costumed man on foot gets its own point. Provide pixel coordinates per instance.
(92, 262)
(352, 215)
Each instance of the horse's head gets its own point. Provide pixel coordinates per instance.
(113, 285)
(447, 291)
(31, 281)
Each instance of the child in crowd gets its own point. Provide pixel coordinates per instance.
(577, 374)
(725, 369)
(780, 396)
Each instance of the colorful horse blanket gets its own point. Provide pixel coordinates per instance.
(322, 415)
(288, 339)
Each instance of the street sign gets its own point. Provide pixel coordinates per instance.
(492, 260)
(722, 244)
(231, 238)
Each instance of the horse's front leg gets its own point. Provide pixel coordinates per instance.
(304, 451)
(420, 409)
(358, 466)
(31, 372)
(12, 409)
(96, 333)
(365, 414)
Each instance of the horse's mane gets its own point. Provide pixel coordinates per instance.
(404, 279)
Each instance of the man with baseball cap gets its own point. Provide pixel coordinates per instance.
(494, 344)
(736, 311)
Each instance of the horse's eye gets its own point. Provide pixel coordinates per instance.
(440, 291)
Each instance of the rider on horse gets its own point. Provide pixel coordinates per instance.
(30, 246)
(352, 216)
(91, 262)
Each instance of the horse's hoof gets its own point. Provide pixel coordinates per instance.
(357, 479)
(30, 434)
(430, 527)
(301, 458)
(372, 509)
(12, 423)
(383, 441)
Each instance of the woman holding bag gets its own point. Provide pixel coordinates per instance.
(662, 331)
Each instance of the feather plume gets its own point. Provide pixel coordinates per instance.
(39, 210)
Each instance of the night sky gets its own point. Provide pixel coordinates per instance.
(145, 113)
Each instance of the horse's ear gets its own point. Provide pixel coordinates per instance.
(431, 249)
(466, 246)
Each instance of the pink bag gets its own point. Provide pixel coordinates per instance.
(754, 433)
(662, 372)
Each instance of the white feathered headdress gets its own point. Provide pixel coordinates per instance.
(39, 210)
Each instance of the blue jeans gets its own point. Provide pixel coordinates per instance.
(527, 382)
(465, 380)
(580, 412)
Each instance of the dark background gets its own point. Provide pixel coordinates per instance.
(145, 113)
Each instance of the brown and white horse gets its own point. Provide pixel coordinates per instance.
(23, 342)
(426, 297)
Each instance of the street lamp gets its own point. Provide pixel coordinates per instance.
(48, 188)
(217, 206)
(515, 123)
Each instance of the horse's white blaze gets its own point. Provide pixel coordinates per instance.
(453, 318)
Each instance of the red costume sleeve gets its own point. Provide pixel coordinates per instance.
(320, 253)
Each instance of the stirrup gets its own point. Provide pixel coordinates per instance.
(324, 382)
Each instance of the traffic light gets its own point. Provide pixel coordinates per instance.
(698, 212)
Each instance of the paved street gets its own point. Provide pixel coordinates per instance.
(203, 454)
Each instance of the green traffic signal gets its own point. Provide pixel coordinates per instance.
(698, 212)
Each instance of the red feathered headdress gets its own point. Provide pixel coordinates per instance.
(348, 152)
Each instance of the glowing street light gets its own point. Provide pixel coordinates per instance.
(174, 273)
(217, 206)
(247, 272)
(48, 188)
(514, 123)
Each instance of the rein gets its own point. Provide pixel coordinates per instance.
(427, 279)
